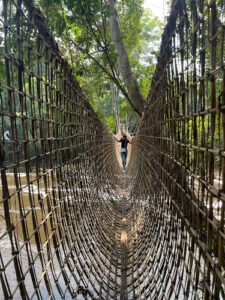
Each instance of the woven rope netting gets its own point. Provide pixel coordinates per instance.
(72, 225)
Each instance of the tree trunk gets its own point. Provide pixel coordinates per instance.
(115, 108)
(136, 98)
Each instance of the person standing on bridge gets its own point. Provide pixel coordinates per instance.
(123, 151)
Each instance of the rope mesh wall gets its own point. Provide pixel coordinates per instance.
(180, 148)
(72, 225)
(56, 184)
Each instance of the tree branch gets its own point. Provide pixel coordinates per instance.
(114, 79)
(105, 48)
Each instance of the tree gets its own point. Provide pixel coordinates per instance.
(136, 99)
(96, 31)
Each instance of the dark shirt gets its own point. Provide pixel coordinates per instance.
(124, 142)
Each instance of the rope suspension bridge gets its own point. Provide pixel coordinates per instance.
(72, 224)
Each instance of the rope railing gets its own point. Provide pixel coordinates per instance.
(72, 224)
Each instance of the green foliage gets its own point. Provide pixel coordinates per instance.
(111, 123)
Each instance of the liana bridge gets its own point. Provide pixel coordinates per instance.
(72, 225)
